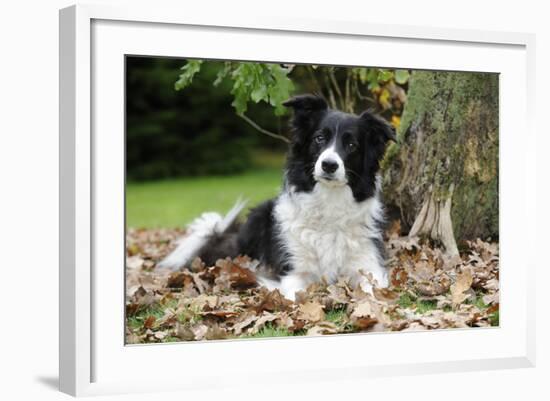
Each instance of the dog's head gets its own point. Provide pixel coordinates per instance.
(333, 148)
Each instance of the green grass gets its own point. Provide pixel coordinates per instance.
(271, 331)
(336, 316)
(406, 300)
(136, 321)
(425, 306)
(494, 318)
(478, 301)
(176, 202)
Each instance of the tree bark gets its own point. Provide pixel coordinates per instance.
(444, 167)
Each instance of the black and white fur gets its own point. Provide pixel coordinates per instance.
(325, 223)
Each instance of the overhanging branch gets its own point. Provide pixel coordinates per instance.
(263, 130)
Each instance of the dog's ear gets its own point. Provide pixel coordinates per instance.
(307, 111)
(376, 133)
(378, 130)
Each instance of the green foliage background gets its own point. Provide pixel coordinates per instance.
(187, 133)
(201, 117)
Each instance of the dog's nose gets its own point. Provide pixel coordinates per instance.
(329, 166)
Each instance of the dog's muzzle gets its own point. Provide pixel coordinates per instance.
(329, 168)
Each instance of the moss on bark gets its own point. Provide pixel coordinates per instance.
(448, 137)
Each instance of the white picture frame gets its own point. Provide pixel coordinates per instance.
(93, 41)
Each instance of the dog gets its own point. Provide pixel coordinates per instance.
(326, 221)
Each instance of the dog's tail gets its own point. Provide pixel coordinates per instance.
(199, 233)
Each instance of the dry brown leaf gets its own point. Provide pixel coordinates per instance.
(199, 331)
(179, 280)
(398, 277)
(323, 328)
(238, 277)
(363, 309)
(184, 332)
(364, 315)
(493, 308)
(285, 321)
(160, 335)
(462, 284)
(491, 298)
(262, 321)
(272, 301)
(203, 302)
(133, 338)
(222, 301)
(492, 285)
(243, 323)
(201, 285)
(437, 285)
(149, 322)
(364, 323)
(134, 262)
(338, 295)
(311, 312)
(197, 265)
(216, 332)
(224, 314)
(385, 295)
(414, 326)
(168, 319)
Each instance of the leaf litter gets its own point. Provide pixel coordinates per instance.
(427, 291)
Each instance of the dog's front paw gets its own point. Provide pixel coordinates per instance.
(379, 280)
(291, 284)
(383, 280)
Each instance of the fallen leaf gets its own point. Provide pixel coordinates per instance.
(493, 308)
(398, 277)
(239, 277)
(184, 332)
(134, 262)
(160, 335)
(437, 285)
(322, 328)
(216, 333)
(363, 309)
(272, 301)
(385, 294)
(220, 313)
(266, 317)
(204, 301)
(199, 331)
(243, 323)
(492, 284)
(414, 326)
(179, 280)
(462, 284)
(492, 298)
(149, 322)
(224, 301)
(311, 312)
(339, 294)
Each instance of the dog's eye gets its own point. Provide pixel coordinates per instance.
(352, 146)
(319, 139)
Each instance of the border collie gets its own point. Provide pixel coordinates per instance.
(326, 221)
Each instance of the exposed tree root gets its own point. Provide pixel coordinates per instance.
(435, 221)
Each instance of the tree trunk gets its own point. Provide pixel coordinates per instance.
(444, 167)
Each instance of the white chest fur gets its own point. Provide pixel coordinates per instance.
(328, 234)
